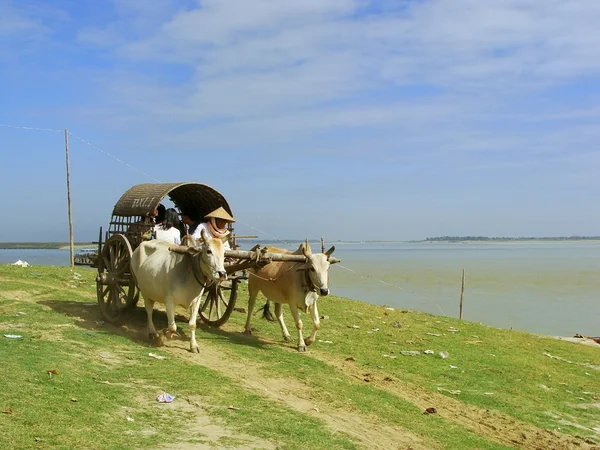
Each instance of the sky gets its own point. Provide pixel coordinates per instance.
(348, 119)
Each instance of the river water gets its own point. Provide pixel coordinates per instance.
(549, 288)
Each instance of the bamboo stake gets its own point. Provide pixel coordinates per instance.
(462, 291)
(71, 250)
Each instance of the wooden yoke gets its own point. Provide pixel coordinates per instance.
(261, 257)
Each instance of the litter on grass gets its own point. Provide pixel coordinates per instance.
(13, 336)
(449, 391)
(165, 398)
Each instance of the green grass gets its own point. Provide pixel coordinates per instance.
(112, 378)
(495, 369)
(110, 375)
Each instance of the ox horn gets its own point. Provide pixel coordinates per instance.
(322, 245)
(329, 252)
(306, 250)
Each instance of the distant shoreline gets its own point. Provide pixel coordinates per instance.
(501, 241)
(43, 245)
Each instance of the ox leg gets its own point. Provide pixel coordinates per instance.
(279, 315)
(170, 307)
(251, 302)
(314, 314)
(294, 310)
(193, 321)
(149, 309)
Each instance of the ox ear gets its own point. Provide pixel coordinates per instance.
(330, 251)
(193, 251)
(184, 250)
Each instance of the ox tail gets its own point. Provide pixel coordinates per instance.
(267, 314)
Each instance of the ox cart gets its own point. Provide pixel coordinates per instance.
(132, 222)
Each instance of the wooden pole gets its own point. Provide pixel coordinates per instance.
(71, 250)
(266, 256)
(462, 292)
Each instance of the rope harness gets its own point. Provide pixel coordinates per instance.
(198, 275)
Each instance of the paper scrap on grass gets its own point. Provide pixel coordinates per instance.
(165, 398)
(13, 336)
(155, 356)
(450, 391)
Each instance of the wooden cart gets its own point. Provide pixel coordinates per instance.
(132, 222)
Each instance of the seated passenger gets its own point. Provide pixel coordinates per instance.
(159, 214)
(191, 222)
(215, 225)
(168, 230)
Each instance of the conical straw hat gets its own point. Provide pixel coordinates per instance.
(220, 213)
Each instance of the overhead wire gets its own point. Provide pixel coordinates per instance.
(366, 277)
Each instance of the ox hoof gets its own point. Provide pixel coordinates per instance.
(302, 348)
(309, 341)
(194, 349)
(154, 336)
(248, 332)
(171, 334)
(287, 338)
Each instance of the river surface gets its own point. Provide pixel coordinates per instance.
(548, 288)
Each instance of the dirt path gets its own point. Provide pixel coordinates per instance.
(367, 431)
(493, 425)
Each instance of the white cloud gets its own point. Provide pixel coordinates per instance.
(437, 87)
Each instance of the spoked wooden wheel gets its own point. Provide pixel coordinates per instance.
(115, 284)
(219, 303)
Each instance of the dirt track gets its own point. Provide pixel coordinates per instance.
(368, 431)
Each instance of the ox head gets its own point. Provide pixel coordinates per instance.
(209, 255)
(212, 258)
(317, 266)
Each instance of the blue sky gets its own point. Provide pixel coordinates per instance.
(351, 119)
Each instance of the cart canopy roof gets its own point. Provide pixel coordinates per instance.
(192, 198)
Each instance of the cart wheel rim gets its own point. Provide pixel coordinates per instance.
(116, 287)
(218, 304)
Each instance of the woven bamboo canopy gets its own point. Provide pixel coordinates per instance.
(192, 198)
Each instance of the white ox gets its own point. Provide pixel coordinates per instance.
(297, 284)
(177, 275)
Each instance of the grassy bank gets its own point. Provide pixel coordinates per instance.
(354, 389)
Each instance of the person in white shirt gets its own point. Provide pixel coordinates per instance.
(168, 230)
(215, 225)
